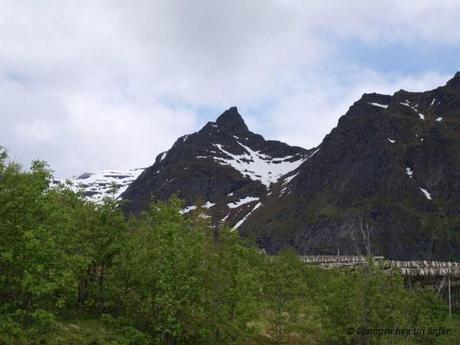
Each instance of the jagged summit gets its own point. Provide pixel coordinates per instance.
(223, 164)
(231, 121)
(454, 82)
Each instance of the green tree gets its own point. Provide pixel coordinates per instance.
(284, 290)
(166, 273)
(231, 289)
(34, 264)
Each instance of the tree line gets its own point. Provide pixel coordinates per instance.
(76, 272)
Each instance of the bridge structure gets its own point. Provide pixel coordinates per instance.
(443, 276)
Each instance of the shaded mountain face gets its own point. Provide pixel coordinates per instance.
(386, 180)
(224, 167)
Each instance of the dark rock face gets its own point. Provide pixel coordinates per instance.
(385, 180)
(391, 166)
(223, 165)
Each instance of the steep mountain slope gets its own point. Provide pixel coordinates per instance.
(387, 178)
(224, 166)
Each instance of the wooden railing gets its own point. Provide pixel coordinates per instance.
(407, 268)
(444, 276)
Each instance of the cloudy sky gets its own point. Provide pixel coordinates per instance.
(89, 85)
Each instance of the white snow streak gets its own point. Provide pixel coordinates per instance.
(289, 178)
(243, 201)
(225, 218)
(384, 106)
(407, 104)
(286, 181)
(409, 172)
(237, 225)
(208, 204)
(188, 209)
(427, 194)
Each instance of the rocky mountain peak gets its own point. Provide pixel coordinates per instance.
(224, 165)
(454, 82)
(231, 121)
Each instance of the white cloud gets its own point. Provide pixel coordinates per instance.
(88, 85)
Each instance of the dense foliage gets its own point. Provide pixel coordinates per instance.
(73, 272)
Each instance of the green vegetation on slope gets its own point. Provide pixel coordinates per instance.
(72, 272)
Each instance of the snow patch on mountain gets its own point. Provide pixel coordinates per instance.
(407, 104)
(208, 204)
(259, 166)
(237, 225)
(97, 186)
(286, 181)
(242, 201)
(188, 209)
(289, 179)
(426, 193)
(409, 172)
(384, 106)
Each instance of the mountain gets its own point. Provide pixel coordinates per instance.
(224, 166)
(96, 186)
(386, 180)
(387, 177)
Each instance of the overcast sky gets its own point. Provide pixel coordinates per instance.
(89, 85)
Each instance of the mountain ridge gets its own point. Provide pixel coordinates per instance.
(390, 168)
(393, 160)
